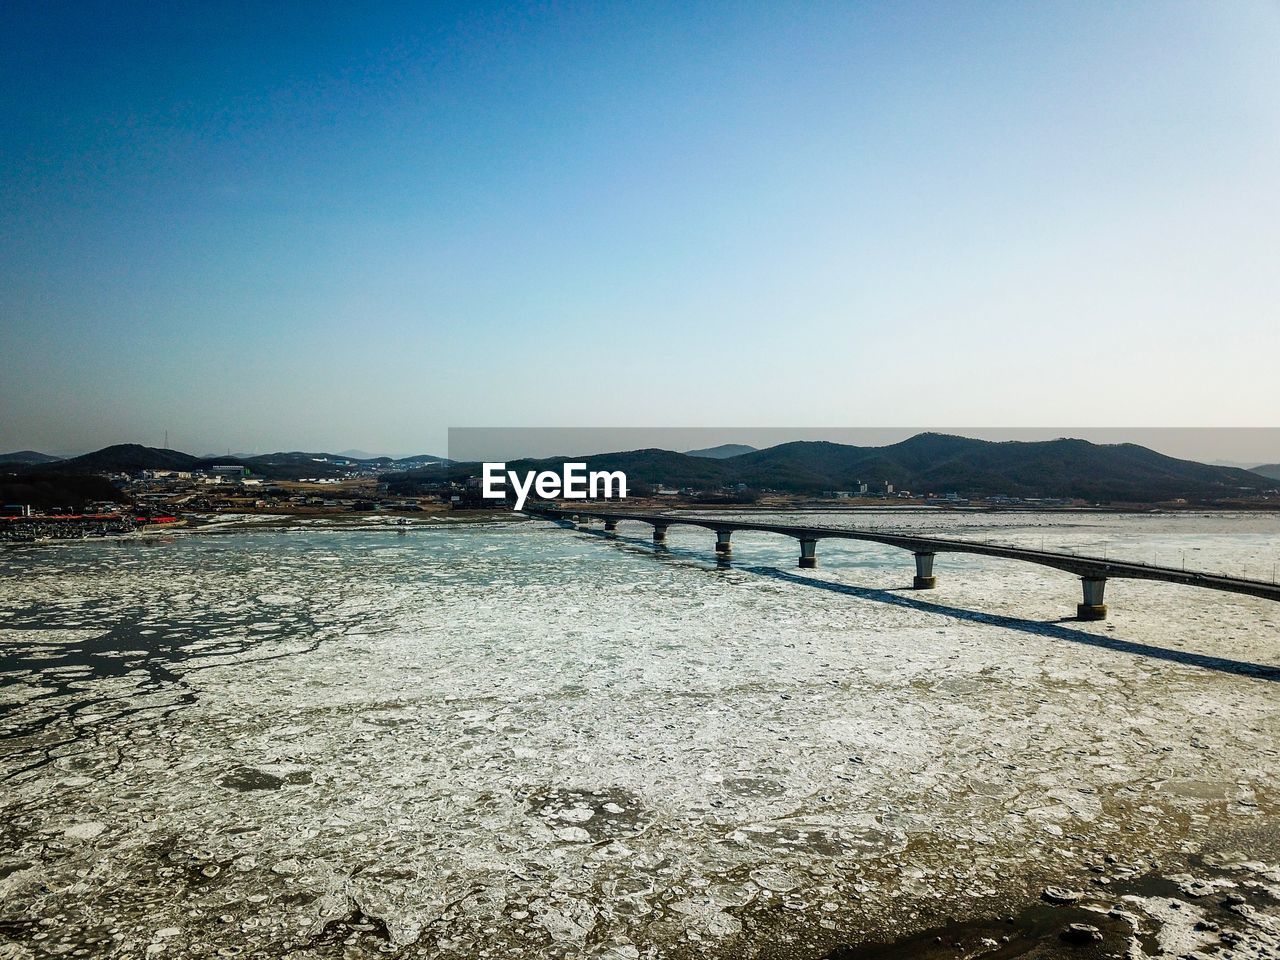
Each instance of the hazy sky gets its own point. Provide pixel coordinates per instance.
(317, 226)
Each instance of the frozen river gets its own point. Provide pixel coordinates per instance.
(518, 740)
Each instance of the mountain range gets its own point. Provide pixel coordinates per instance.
(133, 457)
(925, 463)
(25, 457)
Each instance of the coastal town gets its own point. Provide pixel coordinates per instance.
(155, 499)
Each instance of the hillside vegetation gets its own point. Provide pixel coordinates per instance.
(926, 463)
(133, 458)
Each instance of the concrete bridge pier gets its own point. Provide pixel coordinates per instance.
(722, 542)
(584, 522)
(1093, 608)
(808, 554)
(611, 525)
(659, 533)
(925, 580)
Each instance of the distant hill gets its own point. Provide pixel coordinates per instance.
(297, 464)
(294, 465)
(26, 457)
(926, 463)
(722, 452)
(939, 463)
(1271, 470)
(364, 456)
(423, 458)
(125, 458)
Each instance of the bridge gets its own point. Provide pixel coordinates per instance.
(1092, 571)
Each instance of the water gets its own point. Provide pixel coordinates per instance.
(517, 740)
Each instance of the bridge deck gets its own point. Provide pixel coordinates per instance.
(1089, 567)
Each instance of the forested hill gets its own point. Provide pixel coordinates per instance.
(926, 463)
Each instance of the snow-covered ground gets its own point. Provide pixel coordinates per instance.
(519, 740)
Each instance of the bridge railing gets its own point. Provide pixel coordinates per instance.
(1270, 569)
(1092, 570)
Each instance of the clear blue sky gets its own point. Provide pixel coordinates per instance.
(313, 225)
